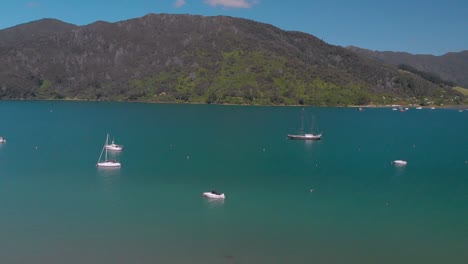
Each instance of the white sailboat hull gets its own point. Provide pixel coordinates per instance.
(306, 137)
(109, 164)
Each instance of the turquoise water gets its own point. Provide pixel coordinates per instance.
(57, 207)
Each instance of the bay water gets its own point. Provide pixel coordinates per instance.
(337, 200)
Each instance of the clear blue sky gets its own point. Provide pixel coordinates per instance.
(415, 26)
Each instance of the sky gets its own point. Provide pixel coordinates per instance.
(415, 26)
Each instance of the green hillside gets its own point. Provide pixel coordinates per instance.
(186, 58)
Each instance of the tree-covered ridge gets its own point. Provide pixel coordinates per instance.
(242, 78)
(183, 58)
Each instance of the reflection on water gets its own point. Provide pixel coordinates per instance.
(113, 153)
(213, 203)
(109, 178)
(399, 169)
(309, 143)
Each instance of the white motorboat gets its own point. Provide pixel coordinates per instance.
(400, 162)
(107, 163)
(418, 108)
(114, 147)
(214, 195)
(2, 140)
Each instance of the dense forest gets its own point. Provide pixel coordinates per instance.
(185, 58)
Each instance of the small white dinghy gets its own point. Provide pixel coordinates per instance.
(2, 140)
(214, 194)
(399, 162)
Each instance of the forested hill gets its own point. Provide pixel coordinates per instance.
(452, 66)
(187, 58)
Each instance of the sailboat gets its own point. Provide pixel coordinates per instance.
(305, 136)
(106, 162)
(113, 146)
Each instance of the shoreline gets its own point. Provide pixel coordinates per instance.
(462, 106)
(411, 106)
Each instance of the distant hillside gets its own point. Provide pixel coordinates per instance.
(31, 31)
(186, 58)
(452, 66)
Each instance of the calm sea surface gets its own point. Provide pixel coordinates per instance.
(338, 200)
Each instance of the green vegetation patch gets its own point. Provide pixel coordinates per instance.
(461, 90)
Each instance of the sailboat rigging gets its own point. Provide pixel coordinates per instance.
(305, 136)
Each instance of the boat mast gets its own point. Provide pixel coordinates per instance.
(100, 156)
(312, 125)
(107, 142)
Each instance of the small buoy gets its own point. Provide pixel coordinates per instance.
(386, 204)
(188, 157)
(311, 190)
(36, 147)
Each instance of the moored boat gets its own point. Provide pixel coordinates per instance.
(400, 162)
(214, 194)
(2, 140)
(306, 137)
(114, 147)
(107, 163)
